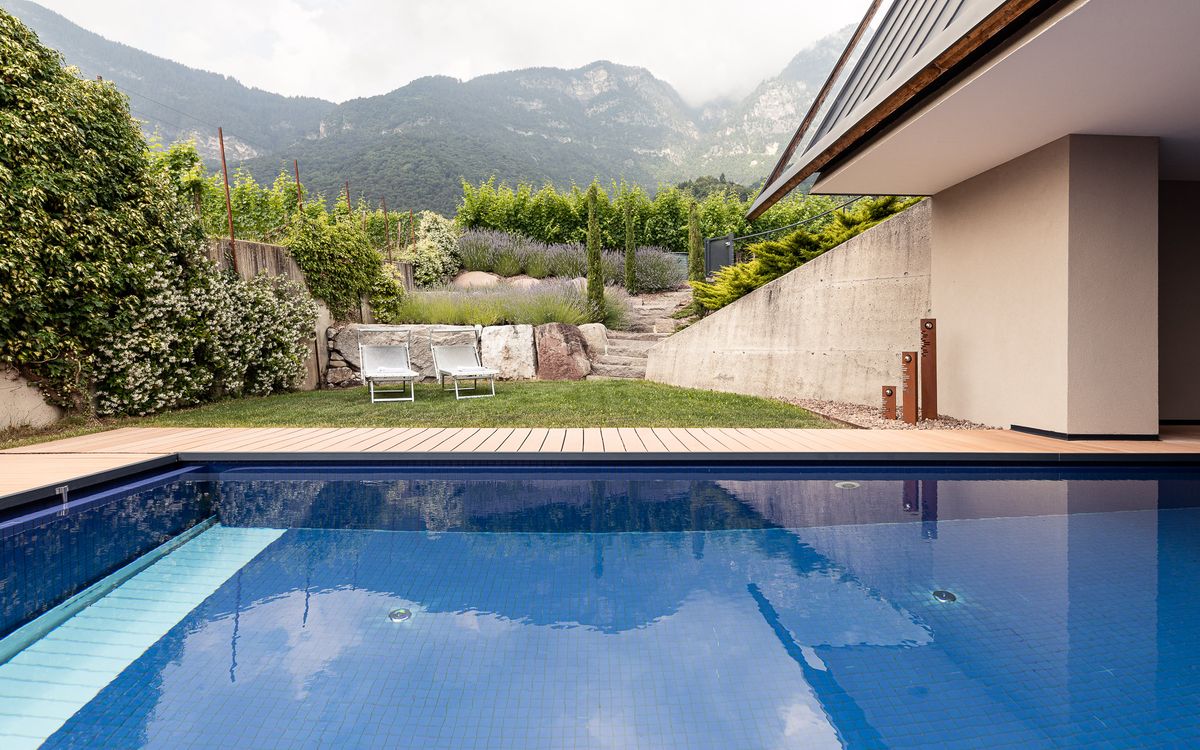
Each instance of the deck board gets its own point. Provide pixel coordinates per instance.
(74, 459)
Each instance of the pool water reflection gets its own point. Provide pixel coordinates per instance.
(675, 610)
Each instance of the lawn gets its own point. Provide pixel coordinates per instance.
(592, 403)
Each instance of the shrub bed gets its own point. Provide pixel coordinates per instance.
(508, 254)
(549, 302)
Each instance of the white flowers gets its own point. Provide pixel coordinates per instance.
(205, 335)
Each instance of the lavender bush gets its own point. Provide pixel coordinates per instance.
(508, 255)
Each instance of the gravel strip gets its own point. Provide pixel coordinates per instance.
(870, 417)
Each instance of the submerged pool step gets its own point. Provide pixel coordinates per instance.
(45, 684)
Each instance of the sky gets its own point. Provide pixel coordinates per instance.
(342, 49)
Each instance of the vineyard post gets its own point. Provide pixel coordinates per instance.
(228, 202)
(387, 230)
(299, 194)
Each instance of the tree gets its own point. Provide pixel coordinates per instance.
(595, 274)
(695, 245)
(630, 252)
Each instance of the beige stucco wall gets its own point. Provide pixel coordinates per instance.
(831, 329)
(21, 404)
(1178, 301)
(1045, 287)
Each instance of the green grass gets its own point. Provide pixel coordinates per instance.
(593, 403)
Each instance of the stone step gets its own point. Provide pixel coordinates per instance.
(667, 326)
(630, 347)
(630, 372)
(636, 336)
(619, 360)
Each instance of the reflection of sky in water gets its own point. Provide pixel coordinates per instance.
(1070, 630)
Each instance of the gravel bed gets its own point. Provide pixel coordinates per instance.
(870, 417)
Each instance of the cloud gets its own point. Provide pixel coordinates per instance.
(354, 48)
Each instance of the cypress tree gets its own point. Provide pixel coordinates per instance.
(630, 252)
(695, 245)
(595, 274)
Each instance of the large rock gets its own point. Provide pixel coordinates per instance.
(523, 282)
(561, 352)
(596, 336)
(510, 350)
(475, 280)
(344, 341)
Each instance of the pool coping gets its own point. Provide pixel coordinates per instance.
(98, 479)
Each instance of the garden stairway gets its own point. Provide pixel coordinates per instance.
(650, 322)
(626, 356)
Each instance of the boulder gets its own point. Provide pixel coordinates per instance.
(596, 336)
(475, 280)
(510, 350)
(561, 352)
(523, 281)
(344, 344)
(342, 377)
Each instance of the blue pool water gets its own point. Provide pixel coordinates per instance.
(607, 608)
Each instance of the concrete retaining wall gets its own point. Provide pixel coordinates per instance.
(832, 329)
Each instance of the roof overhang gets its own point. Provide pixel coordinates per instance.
(1108, 67)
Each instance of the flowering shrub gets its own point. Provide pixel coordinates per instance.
(216, 335)
(106, 301)
(434, 254)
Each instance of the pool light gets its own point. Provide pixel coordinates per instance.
(847, 485)
(944, 597)
(399, 615)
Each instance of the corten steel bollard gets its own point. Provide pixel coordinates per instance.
(929, 408)
(889, 402)
(908, 385)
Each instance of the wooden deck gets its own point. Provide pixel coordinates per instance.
(38, 469)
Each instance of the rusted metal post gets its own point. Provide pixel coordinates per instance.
(908, 385)
(410, 227)
(387, 229)
(889, 402)
(348, 207)
(929, 409)
(228, 202)
(299, 194)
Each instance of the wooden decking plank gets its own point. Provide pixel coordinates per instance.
(494, 440)
(471, 444)
(573, 440)
(453, 444)
(611, 439)
(710, 443)
(650, 440)
(671, 443)
(687, 440)
(554, 440)
(513, 442)
(592, 440)
(633, 443)
(533, 442)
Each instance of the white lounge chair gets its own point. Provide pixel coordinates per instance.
(388, 364)
(461, 363)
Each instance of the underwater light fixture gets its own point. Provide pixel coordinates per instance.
(944, 596)
(847, 485)
(399, 615)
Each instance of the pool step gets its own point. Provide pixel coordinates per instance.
(44, 685)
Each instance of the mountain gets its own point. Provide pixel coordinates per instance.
(414, 144)
(178, 102)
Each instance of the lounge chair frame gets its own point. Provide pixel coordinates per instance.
(399, 360)
(452, 362)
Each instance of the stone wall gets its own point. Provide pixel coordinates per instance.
(831, 329)
(21, 404)
(554, 351)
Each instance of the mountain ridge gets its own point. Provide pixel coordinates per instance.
(413, 144)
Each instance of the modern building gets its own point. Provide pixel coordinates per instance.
(1059, 143)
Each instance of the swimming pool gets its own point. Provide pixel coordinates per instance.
(475, 607)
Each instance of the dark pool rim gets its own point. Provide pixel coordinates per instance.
(108, 477)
